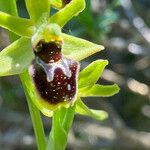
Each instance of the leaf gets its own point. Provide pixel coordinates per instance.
(90, 75)
(78, 49)
(15, 58)
(56, 3)
(82, 109)
(20, 26)
(68, 12)
(36, 8)
(99, 91)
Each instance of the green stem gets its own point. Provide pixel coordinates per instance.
(10, 7)
(37, 125)
(36, 120)
(61, 124)
(58, 136)
(68, 118)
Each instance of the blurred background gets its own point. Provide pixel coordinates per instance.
(122, 26)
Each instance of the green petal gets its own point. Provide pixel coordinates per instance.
(90, 75)
(15, 58)
(99, 91)
(78, 49)
(65, 14)
(36, 8)
(56, 3)
(82, 109)
(20, 26)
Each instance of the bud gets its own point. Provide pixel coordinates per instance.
(54, 76)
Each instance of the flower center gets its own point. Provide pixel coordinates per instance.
(54, 76)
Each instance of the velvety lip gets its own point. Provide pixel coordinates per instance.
(54, 76)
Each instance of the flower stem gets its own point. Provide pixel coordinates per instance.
(58, 136)
(36, 121)
(62, 121)
(35, 115)
(68, 118)
(37, 125)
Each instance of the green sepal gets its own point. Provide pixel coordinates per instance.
(90, 75)
(68, 12)
(58, 135)
(15, 58)
(20, 26)
(37, 8)
(99, 91)
(82, 109)
(9, 6)
(78, 49)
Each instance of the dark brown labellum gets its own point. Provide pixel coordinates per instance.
(48, 52)
(55, 81)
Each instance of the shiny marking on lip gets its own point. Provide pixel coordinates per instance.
(49, 68)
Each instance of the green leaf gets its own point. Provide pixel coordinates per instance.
(20, 26)
(78, 49)
(56, 3)
(90, 75)
(82, 109)
(99, 91)
(36, 8)
(65, 14)
(15, 58)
